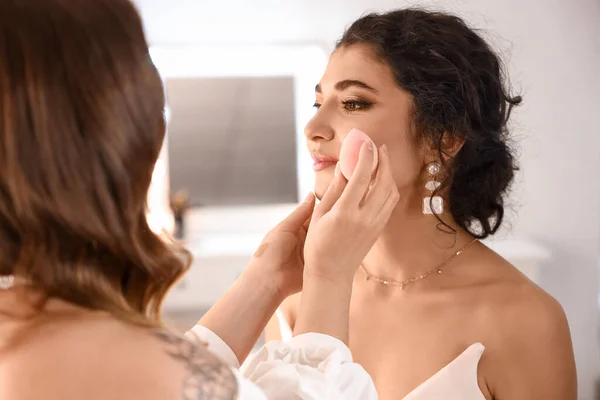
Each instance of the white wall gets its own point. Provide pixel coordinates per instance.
(553, 53)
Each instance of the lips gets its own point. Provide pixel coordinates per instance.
(323, 162)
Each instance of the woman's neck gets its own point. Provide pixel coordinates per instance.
(412, 244)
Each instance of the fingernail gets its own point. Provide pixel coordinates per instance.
(384, 149)
(370, 146)
(337, 169)
(308, 198)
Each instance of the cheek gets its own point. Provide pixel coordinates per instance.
(387, 126)
(405, 154)
(406, 165)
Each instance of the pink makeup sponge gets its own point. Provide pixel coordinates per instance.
(351, 149)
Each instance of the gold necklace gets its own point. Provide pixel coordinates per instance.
(403, 284)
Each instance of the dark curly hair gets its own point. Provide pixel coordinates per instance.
(457, 86)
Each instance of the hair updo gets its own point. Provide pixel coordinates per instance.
(457, 86)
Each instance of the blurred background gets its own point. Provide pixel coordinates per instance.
(240, 76)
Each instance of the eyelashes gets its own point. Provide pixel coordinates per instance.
(356, 105)
(351, 106)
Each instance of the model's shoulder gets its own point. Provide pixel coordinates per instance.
(518, 310)
(529, 353)
(513, 296)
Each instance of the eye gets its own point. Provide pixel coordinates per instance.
(317, 105)
(356, 105)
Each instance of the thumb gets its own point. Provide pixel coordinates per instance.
(298, 217)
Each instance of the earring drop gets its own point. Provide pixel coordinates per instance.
(435, 204)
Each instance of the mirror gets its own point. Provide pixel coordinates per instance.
(232, 140)
(235, 158)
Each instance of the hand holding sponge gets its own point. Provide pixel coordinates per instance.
(351, 149)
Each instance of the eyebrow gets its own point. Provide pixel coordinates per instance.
(348, 83)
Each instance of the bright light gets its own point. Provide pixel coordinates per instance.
(305, 64)
(159, 216)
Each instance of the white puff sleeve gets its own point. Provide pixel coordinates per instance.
(308, 367)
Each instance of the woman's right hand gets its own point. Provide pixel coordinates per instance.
(350, 218)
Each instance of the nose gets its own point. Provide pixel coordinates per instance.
(319, 129)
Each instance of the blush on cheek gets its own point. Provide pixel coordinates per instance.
(350, 151)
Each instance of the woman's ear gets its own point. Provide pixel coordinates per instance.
(451, 145)
(448, 146)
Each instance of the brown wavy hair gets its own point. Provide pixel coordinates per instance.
(81, 127)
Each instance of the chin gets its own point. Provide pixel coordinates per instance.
(321, 184)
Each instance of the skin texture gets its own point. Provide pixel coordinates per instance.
(403, 337)
(73, 353)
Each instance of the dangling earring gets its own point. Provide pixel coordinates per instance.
(435, 204)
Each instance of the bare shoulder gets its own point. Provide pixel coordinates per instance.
(529, 346)
(515, 300)
(103, 358)
(199, 373)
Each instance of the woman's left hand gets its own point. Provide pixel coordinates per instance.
(279, 259)
(275, 272)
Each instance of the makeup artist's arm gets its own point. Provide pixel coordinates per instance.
(274, 273)
(316, 364)
(342, 231)
(344, 227)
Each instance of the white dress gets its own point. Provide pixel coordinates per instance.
(311, 366)
(456, 381)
